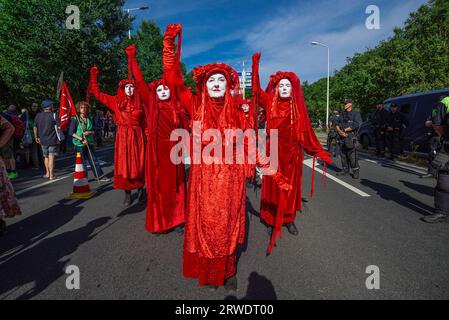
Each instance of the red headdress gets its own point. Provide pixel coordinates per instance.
(232, 100)
(298, 111)
(122, 98)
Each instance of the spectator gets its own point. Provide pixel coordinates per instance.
(11, 148)
(45, 134)
(9, 206)
(98, 125)
(82, 134)
(35, 150)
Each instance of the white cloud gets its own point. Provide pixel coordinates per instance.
(285, 40)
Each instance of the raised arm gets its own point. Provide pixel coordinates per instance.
(140, 81)
(261, 97)
(172, 66)
(107, 100)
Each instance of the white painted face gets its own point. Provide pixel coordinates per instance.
(163, 93)
(216, 85)
(285, 88)
(129, 89)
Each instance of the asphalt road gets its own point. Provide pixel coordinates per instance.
(343, 229)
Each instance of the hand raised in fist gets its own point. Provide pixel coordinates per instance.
(131, 50)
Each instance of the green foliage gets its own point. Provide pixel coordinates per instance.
(36, 46)
(415, 59)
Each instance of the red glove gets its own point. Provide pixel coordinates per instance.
(131, 51)
(173, 30)
(94, 72)
(256, 57)
(325, 156)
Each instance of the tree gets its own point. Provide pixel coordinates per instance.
(36, 46)
(415, 59)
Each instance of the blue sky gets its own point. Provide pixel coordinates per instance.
(231, 31)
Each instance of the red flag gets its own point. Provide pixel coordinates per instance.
(66, 108)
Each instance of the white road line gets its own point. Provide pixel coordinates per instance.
(18, 193)
(309, 163)
(369, 160)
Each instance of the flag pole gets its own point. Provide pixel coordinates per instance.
(90, 154)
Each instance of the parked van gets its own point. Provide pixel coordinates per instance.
(417, 108)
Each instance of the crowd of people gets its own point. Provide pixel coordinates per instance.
(389, 126)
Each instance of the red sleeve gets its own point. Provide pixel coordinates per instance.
(107, 100)
(172, 67)
(142, 86)
(261, 97)
(309, 141)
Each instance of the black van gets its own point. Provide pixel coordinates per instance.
(417, 108)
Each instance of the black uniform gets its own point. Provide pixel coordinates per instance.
(396, 122)
(441, 164)
(353, 120)
(332, 143)
(379, 121)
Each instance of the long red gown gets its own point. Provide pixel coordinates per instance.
(165, 181)
(130, 141)
(215, 220)
(295, 136)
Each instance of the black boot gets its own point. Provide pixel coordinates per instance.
(127, 201)
(355, 174)
(231, 284)
(343, 173)
(291, 227)
(2, 227)
(435, 218)
(141, 196)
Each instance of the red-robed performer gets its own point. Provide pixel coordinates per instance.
(284, 104)
(165, 180)
(215, 217)
(130, 140)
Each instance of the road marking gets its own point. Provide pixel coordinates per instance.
(309, 163)
(18, 193)
(369, 160)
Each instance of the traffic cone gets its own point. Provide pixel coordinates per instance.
(81, 188)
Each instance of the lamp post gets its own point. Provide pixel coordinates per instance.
(134, 9)
(316, 43)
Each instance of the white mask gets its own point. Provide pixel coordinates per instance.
(163, 93)
(216, 85)
(129, 90)
(285, 88)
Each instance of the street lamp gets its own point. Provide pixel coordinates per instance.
(134, 9)
(316, 43)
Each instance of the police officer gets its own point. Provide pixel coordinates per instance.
(379, 122)
(433, 140)
(441, 163)
(333, 134)
(396, 122)
(347, 128)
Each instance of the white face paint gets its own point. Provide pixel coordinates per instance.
(129, 90)
(163, 93)
(285, 88)
(216, 85)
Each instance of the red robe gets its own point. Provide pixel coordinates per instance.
(165, 181)
(295, 135)
(215, 217)
(129, 142)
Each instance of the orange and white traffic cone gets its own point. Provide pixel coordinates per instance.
(81, 188)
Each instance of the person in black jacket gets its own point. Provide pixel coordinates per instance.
(396, 123)
(347, 128)
(379, 121)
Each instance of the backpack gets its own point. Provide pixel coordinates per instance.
(18, 124)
